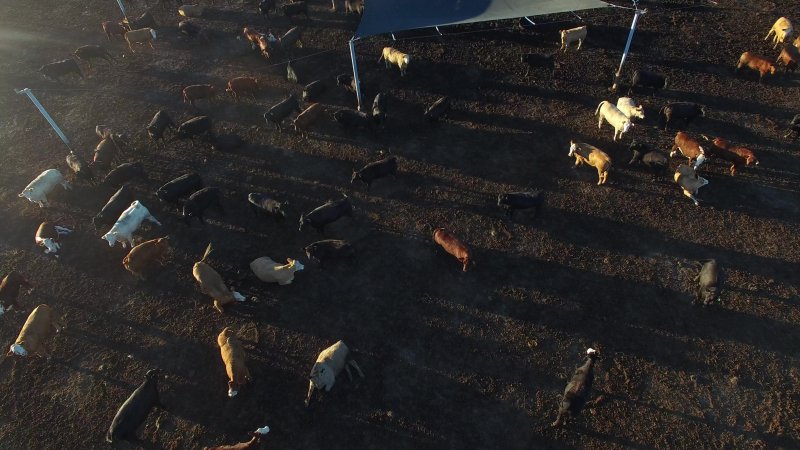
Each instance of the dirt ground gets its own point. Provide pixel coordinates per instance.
(452, 360)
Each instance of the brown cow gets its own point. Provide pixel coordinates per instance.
(35, 331)
(756, 62)
(252, 35)
(689, 148)
(198, 91)
(113, 29)
(789, 57)
(105, 153)
(452, 245)
(240, 85)
(142, 257)
(307, 117)
(737, 156)
(251, 444)
(234, 358)
(9, 290)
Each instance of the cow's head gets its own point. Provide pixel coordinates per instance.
(111, 238)
(26, 193)
(638, 112)
(626, 125)
(153, 33)
(17, 349)
(303, 221)
(356, 177)
(50, 245)
(322, 376)
(295, 264)
(573, 147)
(700, 159)
(407, 59)
(502, 199)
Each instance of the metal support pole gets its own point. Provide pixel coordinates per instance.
(355, 71)
(41, 109)
(639, 12)
(437, 30)
(530, 21)
(122, 8)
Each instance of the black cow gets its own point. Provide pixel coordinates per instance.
(794, 128)
(643, 78)
(124, 173)
(687, 111)
(277, 113)
(116, 205)
(512, 201)
(265, 6)
(578, 390)
(80, 167)
(375, 170)
(350, 118)
(328, 213)
(654, 160)
(177, 188)
(708, 288)
(58, 69)
(146, 20)
(196, 126)
(313, 90)
(89, 52)
(290, 38)
(200, 201)
(328, 250)
(293, 9)
(188, 28)
(379, 108)
(134, 411)
(346, 81)
(531, 60)
(438, 109)
(160, 122)
(262, 203)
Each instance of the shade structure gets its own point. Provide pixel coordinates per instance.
(389, 16)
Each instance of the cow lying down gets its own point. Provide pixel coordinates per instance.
(269, 271)
(329, 364)
(211, 283)
(37, 329)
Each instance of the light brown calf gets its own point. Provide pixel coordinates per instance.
(35, 332)
(757, 63)
(239, 85)
(307, 117)
(593, 156)
(143, 257)
(234, 358)
(452, 245)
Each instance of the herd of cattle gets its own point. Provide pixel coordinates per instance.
(125, 214)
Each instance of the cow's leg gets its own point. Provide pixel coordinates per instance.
(153, 219)
(349, 374)
(580, 43)
(600, 121)
(358, 369)
(689, 194)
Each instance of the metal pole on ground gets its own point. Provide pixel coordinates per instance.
(355, 71)
(41, 109)
(638, 13)
(122, 8)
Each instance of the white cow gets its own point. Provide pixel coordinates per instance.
(329, 364)
(689, 182)
(613, 116)
(128, 222)
(572, 35)
(269, 271)
(629, 107)
(42, 185)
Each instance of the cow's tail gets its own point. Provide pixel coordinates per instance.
(600, 106)
(705, 137)
(662, 117)
(207, 252)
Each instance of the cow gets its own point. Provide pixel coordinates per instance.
(686, 111)
(390, 56)
(736, 155)
(593, 156)
(226, 143)
(379, 108)
(571, 35)
(211, 283)
(452, 245)
(105, 153)
(688, 147)
(188, 28)
(608, 112)
(375, 170)
(197, 92)
(254, 441)
(128, 222)
(512, 201)
(531, 60)
(265, 6)
(689, 182)
(196, 126)
(262, 203)
(307, 117)
(280, 111)
(48, 236)
(80, 167)
(643, 78)
(111, 28)
(135, 410)
(328, 366)
(36, 191)
(789, 57)
(9, 290)
(329, 249)
(654, 160)
(89, 52)
(174, 189)
(269, 271)
(793, 129)
(114, 207)
(326, 214)
(143, 257)
(577, 391)
(146, 20)
(782, 30)
(757, 63)
(438, 109)
(158, 124)
(240, 85)
(295, 8)
(313, 90)
(201, 200)
(347, 82)
(41, 322)
(124, 173)
(629, 107)
(234, 358)
(141, 36)
(350, 118)
(191, 10)
(290, 39)
(709, 281)
(56, 70)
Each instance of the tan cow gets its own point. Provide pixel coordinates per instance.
(593, 156)
(234, 358)
(211, 283)
(144, 256)
(35, 332)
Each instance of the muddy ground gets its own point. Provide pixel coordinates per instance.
(452, 360)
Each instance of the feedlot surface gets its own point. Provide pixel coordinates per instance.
(452, 360)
